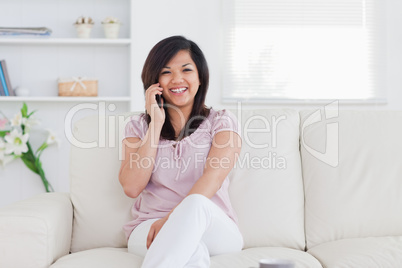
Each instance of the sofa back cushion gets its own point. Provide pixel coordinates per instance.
(266, 187)
(352, 174)
(100, 205)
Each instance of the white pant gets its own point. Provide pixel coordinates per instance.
(196, 229)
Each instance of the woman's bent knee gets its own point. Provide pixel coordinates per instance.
(194, 203)
(196, 199)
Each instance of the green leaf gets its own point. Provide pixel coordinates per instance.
(29, 159)
(41, 148)
(38, 164)
(41, 173)
(3, 133)
(37, 159)
(29, 155)
(24, 110)
(30, 164)
(32, 113)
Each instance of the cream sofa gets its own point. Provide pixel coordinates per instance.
(322, 188)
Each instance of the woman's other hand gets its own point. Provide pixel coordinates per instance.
(154, 230)
(157, 114)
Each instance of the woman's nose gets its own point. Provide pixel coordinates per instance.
(177, 78)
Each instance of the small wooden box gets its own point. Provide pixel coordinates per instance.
(80, 86)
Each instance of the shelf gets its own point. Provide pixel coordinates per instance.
(65, 41)
(63, 99)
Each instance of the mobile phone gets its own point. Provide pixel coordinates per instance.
(158, 100)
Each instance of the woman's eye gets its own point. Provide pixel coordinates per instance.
(165, 72)
(187, 70)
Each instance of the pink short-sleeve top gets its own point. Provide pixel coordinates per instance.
(177, 166)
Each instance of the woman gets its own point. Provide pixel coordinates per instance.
(176, 161)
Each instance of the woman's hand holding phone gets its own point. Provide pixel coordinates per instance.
(156, 112)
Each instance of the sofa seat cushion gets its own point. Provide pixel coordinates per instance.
(251, 256)
(384, 252)
(119, 257)
(99, 258)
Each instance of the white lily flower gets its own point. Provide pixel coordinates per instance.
(52, 138)
(17, 120)
(29, 122)
(16, 143)
(7, 159)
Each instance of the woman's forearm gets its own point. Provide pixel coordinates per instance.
(137, 170)
(205, 185)
(219, 163)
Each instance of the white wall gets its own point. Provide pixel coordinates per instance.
(199, 21)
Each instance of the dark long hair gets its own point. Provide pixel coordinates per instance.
(157, 58)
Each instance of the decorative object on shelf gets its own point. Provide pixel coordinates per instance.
(78, 86)
(84, 26)
(111, 27)
(22, 91)
(14, 143)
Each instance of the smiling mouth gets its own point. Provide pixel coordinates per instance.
(178, 90)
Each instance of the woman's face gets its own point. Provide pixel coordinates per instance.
(179, 80)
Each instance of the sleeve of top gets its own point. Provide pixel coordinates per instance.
(136, 127)
(225, 120)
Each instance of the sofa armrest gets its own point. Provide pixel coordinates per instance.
(36, 232)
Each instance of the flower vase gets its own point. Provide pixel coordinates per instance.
(83, 30)
(111, 30)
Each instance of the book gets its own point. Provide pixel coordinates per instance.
(13, 34)
(3, 82)
(39, 31)
(2, 93)
(7, 78)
